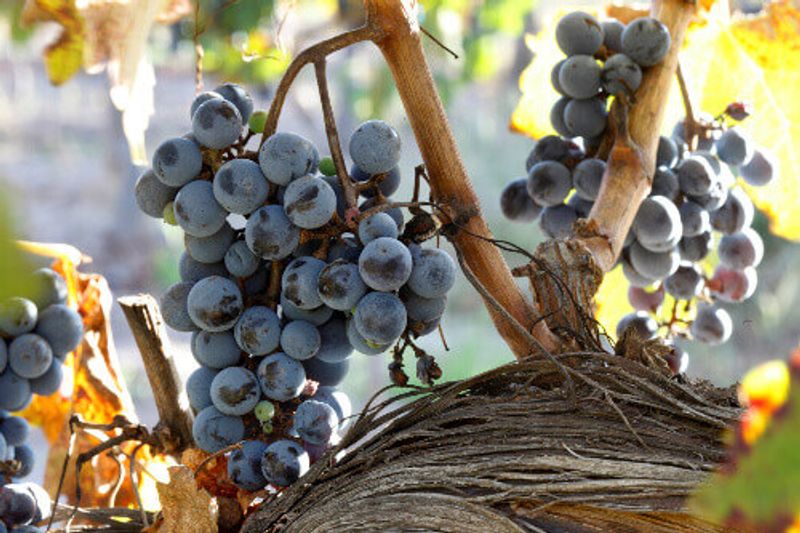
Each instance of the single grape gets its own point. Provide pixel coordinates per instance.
(244, 466)
(362, 345)
(49, 288)
(201, 99)
(612, 34)
(338, 400)
(214, 430)
(327, 168)
(240, 261)
(177, 161)
(642, 324)
(579, 76)
(759, 170)
(646, 40)
(653, 265)
(549, 183)
(734, 148)
(62, 327)
(309, 202)
(375, 147)
(300, 340)
(340, 285)
(49, 382)
(270, 234)
(667, 154)
(586, 118)
(695, 175)
(657, 221)
(282, 378)
(741, 250)
(551, 148)
(29, 356)
(327, 374)
(712, 325)
(556, 221)
(694, 218)
(686, 282)
(385, 264)
(299, 282)
(643, 300)
(433, 274)
(236, 95)
(665, 183)
(17, 316)
(695, 249)
(422, 309)
(15, 430)
(557, 117)
(240, 187)
(621, 74)
(257, 121)
(317, 316)
(632, 275)
(20, 509)
(579, 33)
(376, 226)
(152, 196)
(168, 215)
(198, 388)
(315, 422)
(731, 285)
(715, 199)
(210, 249)
(258, 330)
(395, 212)
(582, 207)
(380, 317)
(235, 391)
(215, 350)
(516, 204)
(735, 214)
(192, 271)
(587, 177)
(216, 124)
(15, 392)
(197, 211)
(264, 411)
(554, 72)
(287, 156)
(388, 185)
(284, 462)
(334, 345)
(215, 303)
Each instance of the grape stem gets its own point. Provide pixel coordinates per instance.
(689, 122)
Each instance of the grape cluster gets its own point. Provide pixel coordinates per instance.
(282, 280)
(36, 334)
(695, 200)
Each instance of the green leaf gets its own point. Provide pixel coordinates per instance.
(14, 265)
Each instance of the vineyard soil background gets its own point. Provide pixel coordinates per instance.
(77, 187)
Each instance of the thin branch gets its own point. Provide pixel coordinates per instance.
(689, 122)
(433, 38)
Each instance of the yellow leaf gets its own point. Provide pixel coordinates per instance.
(64, 57)
(611, 300)
(185, 507)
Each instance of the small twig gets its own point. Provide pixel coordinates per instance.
(73, 436)
(112, 497)
(135, 483)
(430, 36)
(198, 50)
(689, 123)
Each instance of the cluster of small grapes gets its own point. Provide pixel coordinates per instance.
(36, 334)
(276, 288)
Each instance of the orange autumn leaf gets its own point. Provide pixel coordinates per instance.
(185, 507)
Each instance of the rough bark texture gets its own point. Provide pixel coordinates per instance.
(513, 450)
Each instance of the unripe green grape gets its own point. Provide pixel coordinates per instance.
(326, 167)
(257, 121)
(264, 411)
(169, 214)
(266, 427)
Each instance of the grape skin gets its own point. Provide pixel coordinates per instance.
(734, 148)
(586, 118)
(338, 400)
(380, 317)
(385, 264)
(715, 199)
(300, 340)
(759, 170)
(197, 212)
(174, 307)
(376, 226)
(210, 249)
(557, 117)
(215, 350)
(327, 374)
(217, 124)
(686, 282)
(612, 34)
(712, 325)
(735, 214)
(653, 265)
(643, 300)
(549, 183)
(733, 286)
(235, 391)
(433, 273)
(695, 219)
(621, 74)
(695, 249)
(201, 99)
(152, 196)
(258, 330)
(741, 250)
(284, 462)
(299, 282)
(643, 325)
(315, 422)
(15, 392)
(192, 271)
(309, 202)
(695, 175)
(667, 154)
(177, 161)
(646, 41)
(215, 303)
(285, 157)
(3, 358)
(51, 288)
(213, 430)
(244, 466)
(198, 388)
(29, 356)
(658, 221)
(588, 177)
(579, 33)
(579, 76)
(362, 345)
(665, 183)
(240, 261)
(62, 327)
(17, 316)
(395, 212)
(334, 345)
(316, 316)
(423, 309)
(556, 221)
(633, 276)
(236, 95)
(240, 187)
(549, 148)
(516, 204)
(270, 234)
(375, 147)
(340, 285)
(554, 72)
(281, 377)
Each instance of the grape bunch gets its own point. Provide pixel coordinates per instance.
(695, 200)
(282, 280)
(36, 334)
